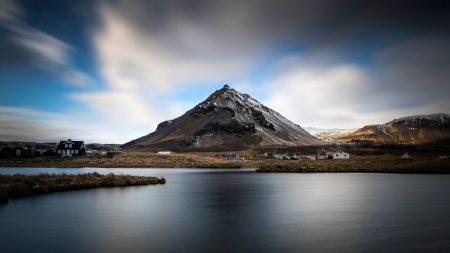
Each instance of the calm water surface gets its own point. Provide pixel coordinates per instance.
(234, 210)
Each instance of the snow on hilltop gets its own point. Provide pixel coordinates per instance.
(433, 119)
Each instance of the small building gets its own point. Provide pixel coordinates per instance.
(270, 155)
(22, 152)
(71, 148)
(165, 152)
(406, 156)
(285, 157)
(6, 152)
(340, 155)
(49, 152)
(36, 153)
(314, 157)
(444, 157)
(227, 155)
(294, 157)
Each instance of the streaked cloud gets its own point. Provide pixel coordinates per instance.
(51, 53)
(320, 63)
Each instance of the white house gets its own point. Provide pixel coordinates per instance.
(340, 155)
(406, 156)
(165, 152)
(314, 157)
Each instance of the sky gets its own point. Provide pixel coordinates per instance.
(110, 71)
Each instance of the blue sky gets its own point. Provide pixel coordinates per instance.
(110, 71)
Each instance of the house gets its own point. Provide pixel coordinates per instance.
(270, 155)
(165, 152)
(6, 152)
(49, 152)
(22, 152)
(285, 157)
(227, 155)
(406, 155)
(36, 153)
(71, 148)
(314, 157)
(338, 155)
(295, 157)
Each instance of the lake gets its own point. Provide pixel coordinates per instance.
(234, 210)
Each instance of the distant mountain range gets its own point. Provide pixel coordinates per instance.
(328, 134)
(226, 120)
(419, 129)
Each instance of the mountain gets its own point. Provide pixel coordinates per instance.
(420, 129)
(226, 120)
(328, 135)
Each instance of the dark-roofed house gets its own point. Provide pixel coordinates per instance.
(49, 152)
(71, 148)
(6, 152)
(22, 152)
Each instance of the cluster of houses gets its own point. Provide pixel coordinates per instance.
(328, 155)
(67, 148)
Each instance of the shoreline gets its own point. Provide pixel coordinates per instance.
(373, 163)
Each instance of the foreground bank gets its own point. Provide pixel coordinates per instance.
(19, 185)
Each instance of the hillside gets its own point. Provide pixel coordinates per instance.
(226, 120)
(420, 129)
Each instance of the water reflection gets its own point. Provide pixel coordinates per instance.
(236, 211)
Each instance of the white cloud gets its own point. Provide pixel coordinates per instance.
(180, 54)
(127, 111)
(24, 124)
(318, 97)
(405, 81)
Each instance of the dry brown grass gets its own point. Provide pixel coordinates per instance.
(19, 185)
(373, 163)
(126, 159)
(384, 163)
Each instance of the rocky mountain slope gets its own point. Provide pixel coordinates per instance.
(420, 129)
(226, 120)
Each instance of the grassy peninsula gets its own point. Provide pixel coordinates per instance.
(19, 185)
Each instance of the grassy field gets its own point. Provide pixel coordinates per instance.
(19, 185)
(126, 160)
(372, 163)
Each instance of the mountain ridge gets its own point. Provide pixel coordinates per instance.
(417, 129)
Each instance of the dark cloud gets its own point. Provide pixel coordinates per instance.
(15, 54)
(310, 22)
